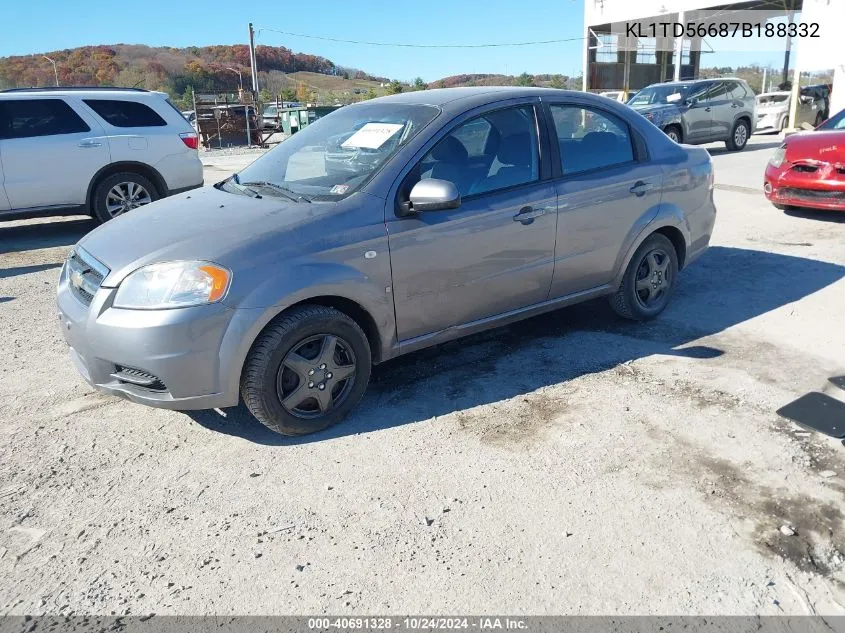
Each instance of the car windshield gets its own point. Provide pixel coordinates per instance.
(770, 99)
(332, 157)
(655, 95)
(836, 122)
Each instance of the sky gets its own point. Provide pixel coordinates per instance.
(38, 26)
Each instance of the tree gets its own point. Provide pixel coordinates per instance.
(419, 84)
(557, 81)
(371, 94)
(394, 87)
(288, 94)
(302, 93)
(265, 96)
(525, 80)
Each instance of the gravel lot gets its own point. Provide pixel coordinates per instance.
(573, 463)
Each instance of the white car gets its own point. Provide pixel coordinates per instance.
(94, 151)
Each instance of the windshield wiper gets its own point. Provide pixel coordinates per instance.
(233, 180)
(288, 193)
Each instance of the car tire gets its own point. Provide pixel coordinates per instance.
(276, 385)
(649, 280)
(135, 189)
(673, 132)
(739, 136)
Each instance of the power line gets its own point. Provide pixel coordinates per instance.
(405, 45)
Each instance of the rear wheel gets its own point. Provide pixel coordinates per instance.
(306, 371)
(649, 280)
(739, 136)
(122, 192)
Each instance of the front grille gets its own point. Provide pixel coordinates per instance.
(138, 377)
(85, 274)
(808, 169)
(811, 194)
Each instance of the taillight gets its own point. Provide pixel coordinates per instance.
(190, 139)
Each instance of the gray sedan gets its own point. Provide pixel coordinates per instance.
(457, 210)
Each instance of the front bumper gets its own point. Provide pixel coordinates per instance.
(822, 189)
(182, 347)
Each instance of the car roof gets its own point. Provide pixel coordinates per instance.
(133, 93)
(480, 95)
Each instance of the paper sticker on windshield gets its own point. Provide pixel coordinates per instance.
(341, 189)
(372, 135)
(673, 97)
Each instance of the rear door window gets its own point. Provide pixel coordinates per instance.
(125, 113)
(27, 118)
(590, 139)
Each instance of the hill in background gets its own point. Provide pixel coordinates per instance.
(296, 76)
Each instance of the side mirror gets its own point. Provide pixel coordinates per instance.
(432, 194)
(692, 102)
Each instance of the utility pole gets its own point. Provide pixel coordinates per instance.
(252, 60)
(55, 71)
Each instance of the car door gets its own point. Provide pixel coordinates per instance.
(50, 152)
(4, 200)
(718, 98)
(495, 252)
(605, 185)
(135, 132)
(698, 117)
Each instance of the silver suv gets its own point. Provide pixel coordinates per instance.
(457, 210)
(92, 151)
(701, 111)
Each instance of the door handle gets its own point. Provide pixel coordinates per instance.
(527, 215)
(89, 142)
(640, 188)
(707, 109)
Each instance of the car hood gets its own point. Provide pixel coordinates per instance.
(203, 224)
(822, 145)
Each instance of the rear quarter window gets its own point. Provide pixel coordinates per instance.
(125, 113)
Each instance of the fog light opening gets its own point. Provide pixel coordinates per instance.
(767, 187)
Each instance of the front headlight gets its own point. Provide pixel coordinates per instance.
(779, 157)
(173, 285)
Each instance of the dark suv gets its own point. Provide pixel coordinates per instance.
(700, 111)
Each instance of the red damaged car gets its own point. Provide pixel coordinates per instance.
(808, 170)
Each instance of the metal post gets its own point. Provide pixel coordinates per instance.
(795, 97)
(763, 89)
(679, 50)
(788, 50)
(248, 135)
(196, 116)
(252, 59)
(585, 68)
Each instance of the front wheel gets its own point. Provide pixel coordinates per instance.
(306, 371)
(673, 133)
(739, 136)
(649, 280)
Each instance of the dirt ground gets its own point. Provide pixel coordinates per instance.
(573, 463)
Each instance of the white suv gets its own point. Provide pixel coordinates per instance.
(94, 151)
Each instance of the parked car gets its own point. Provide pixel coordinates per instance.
(701, 111)
(271, 118)
(773, 110)
(616, 95)
(94, 151)
(282, 285)
(808, 170)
